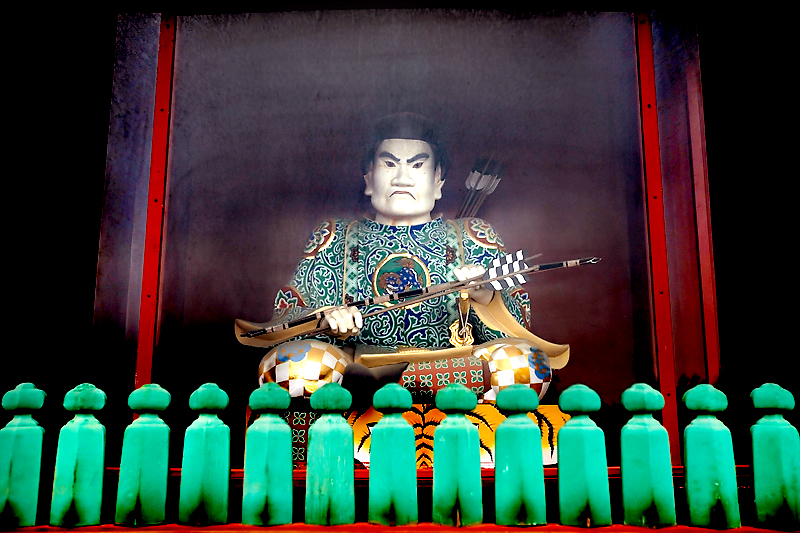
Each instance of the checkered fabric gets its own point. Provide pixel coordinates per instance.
(504, 265)
(515, 361)
(301, 367)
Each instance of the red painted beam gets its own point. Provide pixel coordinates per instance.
(705, 249)
(148, 308)
(665, 351)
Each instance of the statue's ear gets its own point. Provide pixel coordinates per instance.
(438, 183)
(368, 182)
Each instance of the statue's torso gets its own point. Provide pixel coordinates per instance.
(346, 261)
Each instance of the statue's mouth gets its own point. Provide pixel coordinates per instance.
(402, 192)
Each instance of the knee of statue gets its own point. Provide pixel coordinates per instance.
(302, 366)
(513, 360)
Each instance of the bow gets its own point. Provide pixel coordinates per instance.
(511, 267)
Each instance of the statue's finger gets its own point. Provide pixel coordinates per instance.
(347, 321)
(326, 322)
(341, 319)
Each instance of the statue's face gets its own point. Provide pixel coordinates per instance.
(404, 182)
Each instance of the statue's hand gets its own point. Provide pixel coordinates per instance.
(481, 294)
(343, 320)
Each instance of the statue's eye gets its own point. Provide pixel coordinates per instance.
(419, 164)
(389, 164)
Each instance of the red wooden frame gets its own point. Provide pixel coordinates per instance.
(154, 229)
(702, 210)
(148, 317)
(665, 351)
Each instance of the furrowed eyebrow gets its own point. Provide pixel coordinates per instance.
(417, 157)
(390, 156)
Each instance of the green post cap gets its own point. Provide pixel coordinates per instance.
(641, 397)
(769, 396)
(23, 396)
(705, 398)
(456, 398)
(331, 397)
(516, 399)
(85, 397)
(579, 399)
(392, 398)
(149, 397)
(270, 397)
(208, 397)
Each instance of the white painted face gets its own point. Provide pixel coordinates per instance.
(404, 182)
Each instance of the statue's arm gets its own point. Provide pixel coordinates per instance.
(317, 281)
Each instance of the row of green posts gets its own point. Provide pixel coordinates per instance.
(583, 486)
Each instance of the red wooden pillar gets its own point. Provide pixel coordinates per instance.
(148, 308)
(665, 351)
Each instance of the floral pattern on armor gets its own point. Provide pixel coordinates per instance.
(320, 238)
(287, 298)
(451, 255)
(483, 233)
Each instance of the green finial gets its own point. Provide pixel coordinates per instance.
(267, 492)
(330, 486)
(457, 463)
(648, 496)
(392, 398)
(710, 469)
(393, 470)
(331, 397)
(142, 487)
(149, 397)
(642, 398)
(456, 398)
(208, 397)
(23, 396)
(85, 397)
(270, 397)
(776, 460)
(78, 480)
(21, 455)
(772, 396)
(517, 398)
(579, 399)
(583, 492)
(705, 398)
(519, 486)
(205, 468)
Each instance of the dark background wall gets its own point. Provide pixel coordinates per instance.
(60, 112)
(268, 116)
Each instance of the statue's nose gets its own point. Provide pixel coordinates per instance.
(402, 177)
